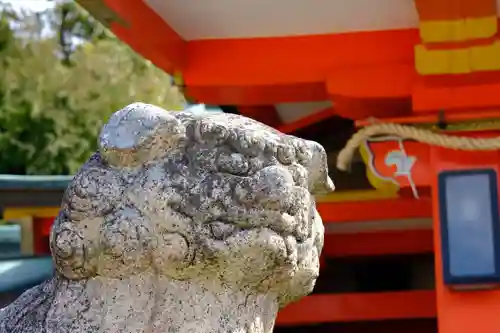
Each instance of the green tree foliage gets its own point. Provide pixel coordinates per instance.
(71, 23)
(55, 92)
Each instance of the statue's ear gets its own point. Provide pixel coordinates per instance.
(139, 133)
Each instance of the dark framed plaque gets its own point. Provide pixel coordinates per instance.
(470, 226)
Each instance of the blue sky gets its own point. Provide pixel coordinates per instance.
(34, 5)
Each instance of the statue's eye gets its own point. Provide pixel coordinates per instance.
(208, 132)
(286, 154)
(220, 230)
(304, 154)
(219, 134)
(234, 163)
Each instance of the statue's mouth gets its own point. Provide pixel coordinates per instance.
(298, 226)
(288, 210)
(293, 250)
(295, 231)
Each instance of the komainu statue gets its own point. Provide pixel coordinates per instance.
(181, 222)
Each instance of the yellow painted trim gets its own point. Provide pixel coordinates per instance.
(457, 61)
(458, 30)
(181, 85)
(429, 62)
(359, 195)
(178, 79)
(485, 58)
(387, 187)
(478, 28)
(22, 212)
(27, 232)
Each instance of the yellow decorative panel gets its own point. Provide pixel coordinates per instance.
(457, 61)
(22, 212)
(485, 58)
(479, 28)
(458, 30)
(434, 62)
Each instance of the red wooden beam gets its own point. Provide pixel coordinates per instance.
(266, 114)
(385, 326)
(390, 209)
(306, 121)
(359, 307)
(379, 243)
(163, 46)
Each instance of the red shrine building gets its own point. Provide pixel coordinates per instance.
(412, 238)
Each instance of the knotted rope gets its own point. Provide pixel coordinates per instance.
(346, 155)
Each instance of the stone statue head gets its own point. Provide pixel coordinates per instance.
(179, 210)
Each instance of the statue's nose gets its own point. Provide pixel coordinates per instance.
(324, 186)
(320, 182)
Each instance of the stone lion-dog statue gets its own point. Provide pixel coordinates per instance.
(181, 222)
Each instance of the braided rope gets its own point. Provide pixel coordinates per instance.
(346, 155)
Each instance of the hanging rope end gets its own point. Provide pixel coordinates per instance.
(344, 160)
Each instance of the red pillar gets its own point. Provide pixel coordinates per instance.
(41, 234)
(461, 311)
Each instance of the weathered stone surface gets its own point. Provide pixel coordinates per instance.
(181, 223)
